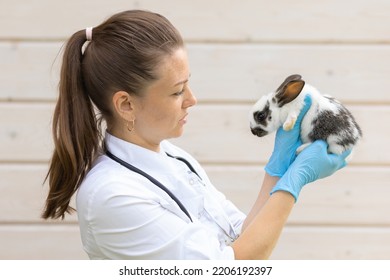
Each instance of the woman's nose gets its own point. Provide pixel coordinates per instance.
(190, 99)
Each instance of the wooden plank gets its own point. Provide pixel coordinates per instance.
(213, 134)
(24, 193)
(30, 242)
(237, 73)
(25, 131)
(41, 242)
(353, 196)
(30, 71)
(243, 73)
(333, 243)
(283, 21)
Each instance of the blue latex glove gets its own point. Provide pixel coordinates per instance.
(311, 164)
(286, 144)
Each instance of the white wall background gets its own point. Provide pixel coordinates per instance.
(238, 51)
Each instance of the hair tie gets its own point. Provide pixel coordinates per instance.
(88, 33)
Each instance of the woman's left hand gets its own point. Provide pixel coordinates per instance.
(286, 144)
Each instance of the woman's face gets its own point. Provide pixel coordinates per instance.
(161, 112)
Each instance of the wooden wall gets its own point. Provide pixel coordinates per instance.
(238, 51)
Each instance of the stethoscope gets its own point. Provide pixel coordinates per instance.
(162, 187)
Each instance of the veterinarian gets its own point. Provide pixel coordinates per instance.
(139, 196)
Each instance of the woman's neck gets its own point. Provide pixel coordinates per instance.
(133, 138)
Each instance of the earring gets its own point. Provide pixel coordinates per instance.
(130, 128)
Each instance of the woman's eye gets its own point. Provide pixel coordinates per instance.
(179, 93)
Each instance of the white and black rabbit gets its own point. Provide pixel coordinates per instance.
(327, 119)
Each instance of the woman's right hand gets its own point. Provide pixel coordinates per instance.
(313, 163)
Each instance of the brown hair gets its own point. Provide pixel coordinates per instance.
(122, 55)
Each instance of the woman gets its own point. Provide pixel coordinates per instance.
(138, 196)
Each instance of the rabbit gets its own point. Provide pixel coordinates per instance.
(327, 118)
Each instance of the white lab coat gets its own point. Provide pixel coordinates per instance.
(122, 215)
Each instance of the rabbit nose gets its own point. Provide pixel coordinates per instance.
(259, 131)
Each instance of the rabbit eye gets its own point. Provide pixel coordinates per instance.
(260, 116)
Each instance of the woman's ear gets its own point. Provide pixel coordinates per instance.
(123, 105)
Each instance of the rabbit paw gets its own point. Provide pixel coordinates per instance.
(289, 123)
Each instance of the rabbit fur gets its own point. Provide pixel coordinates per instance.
(327, 118)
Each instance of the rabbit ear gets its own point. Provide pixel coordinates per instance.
(289, 89)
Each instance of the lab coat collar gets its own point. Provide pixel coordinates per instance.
(144, 159)
(157, 165)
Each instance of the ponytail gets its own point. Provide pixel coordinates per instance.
(75, 133)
